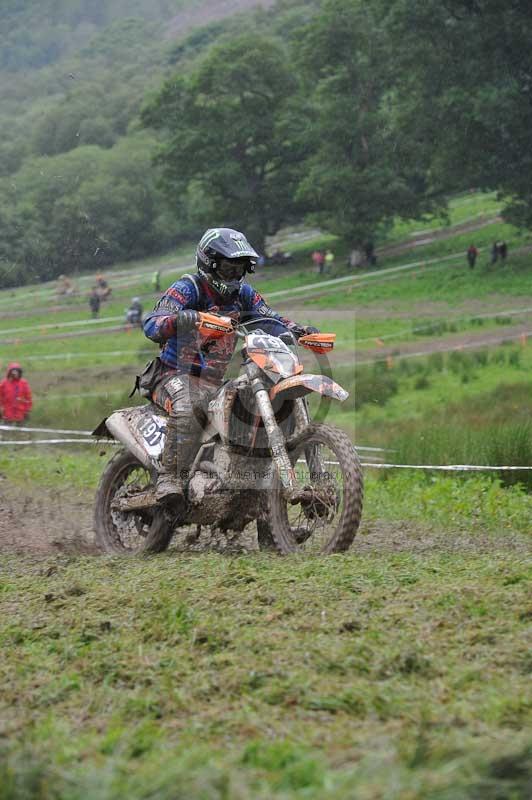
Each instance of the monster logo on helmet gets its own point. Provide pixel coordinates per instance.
(223, 257)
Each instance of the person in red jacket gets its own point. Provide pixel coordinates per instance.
(15, 395)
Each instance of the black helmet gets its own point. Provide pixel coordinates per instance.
(223, 257)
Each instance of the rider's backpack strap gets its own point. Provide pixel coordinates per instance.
(194, 280)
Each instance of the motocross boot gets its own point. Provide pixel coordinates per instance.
(179, 449)
(168, 487)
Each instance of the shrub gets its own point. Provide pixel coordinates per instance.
(498, 357)
(376, 386)
(436, 362)
(508, 444)
(422, 383)
(480, 357)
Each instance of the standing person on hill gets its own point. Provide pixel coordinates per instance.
(472, 254)
(329, 260)
(15, 396)
(369, 252)
(192, 362)
(503, 250)
(355, 258)
(494, 252)
(94, 302)
(318, 257)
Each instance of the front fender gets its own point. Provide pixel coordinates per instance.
(300, 385)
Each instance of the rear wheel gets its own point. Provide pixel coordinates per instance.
(128, 532)
(324, 518)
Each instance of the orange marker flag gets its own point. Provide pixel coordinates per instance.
(379, 342)
(389, 362)
(523, 340)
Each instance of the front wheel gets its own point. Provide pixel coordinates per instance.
(128, 532)
(325, 516)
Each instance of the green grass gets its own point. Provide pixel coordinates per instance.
(456, 377)
(75, 467)
(462, 208)
(370, 675)
(476, 503)
(449, 283)
(399, 670)
(471, 502)
(116, 348)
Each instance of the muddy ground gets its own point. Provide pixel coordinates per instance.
(44, 521)
(41, 520)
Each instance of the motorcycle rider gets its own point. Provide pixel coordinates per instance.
(191, 365)
(134, 312)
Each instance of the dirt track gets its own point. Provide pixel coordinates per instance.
(41, 521)
(466, 341)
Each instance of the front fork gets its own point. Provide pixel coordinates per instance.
(302, 419)
(275, 437)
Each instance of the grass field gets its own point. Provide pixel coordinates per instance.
(248, 677)
(397, 671)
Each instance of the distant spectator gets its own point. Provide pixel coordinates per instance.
(369, 250)
(329, 260)
(94, 302)
(355, 258)
(64, 286)
(134, 312)
(494, 252)
(472, 254)
(503, 250)
(318, 257)
(156, 281)
(102, 287)
(15, 396)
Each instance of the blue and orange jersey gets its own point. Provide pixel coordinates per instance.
(188, 352)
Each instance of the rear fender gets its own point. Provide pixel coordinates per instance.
(140, 429)
(301, 385)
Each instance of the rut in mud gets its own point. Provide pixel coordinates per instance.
(44, 521)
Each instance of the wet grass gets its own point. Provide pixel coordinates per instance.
(370, 675)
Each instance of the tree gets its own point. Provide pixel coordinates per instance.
(360, 173)
(81, 210)
(467, 97)
(232, 135)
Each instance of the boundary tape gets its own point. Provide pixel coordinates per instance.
(440, 467)
(89, 433)
(446, 467)
(42, 430)
(363, 276)
(94, 354)
(53, 325)
(51, 441)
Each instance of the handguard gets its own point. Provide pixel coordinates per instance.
(318, 342)
(214, 326)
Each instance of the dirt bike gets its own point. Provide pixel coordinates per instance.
(261, 460)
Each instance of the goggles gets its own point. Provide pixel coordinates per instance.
(231, 270)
